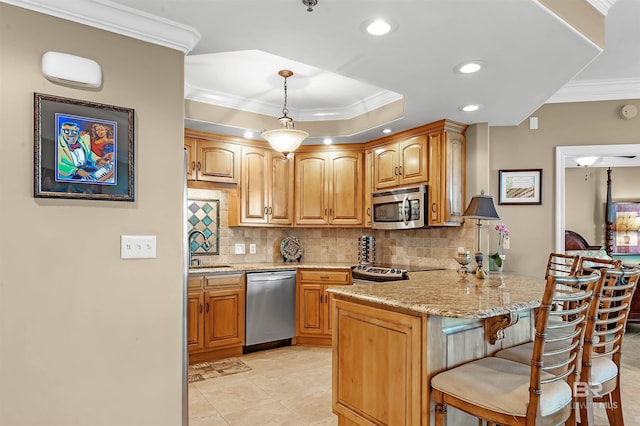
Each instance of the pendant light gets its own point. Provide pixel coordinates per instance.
(286, 139)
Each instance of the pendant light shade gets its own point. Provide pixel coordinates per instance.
(286, 139)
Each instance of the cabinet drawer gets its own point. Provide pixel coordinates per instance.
(222, 280)
(195, 283)
(320, 275)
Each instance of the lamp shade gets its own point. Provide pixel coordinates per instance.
(481, 207)
(285, 140)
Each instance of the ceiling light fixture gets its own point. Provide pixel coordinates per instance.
(310, 4)
(386, 131)
(469, 108)
(470, 67)
(586, 161)
(378, 27)
(328, 141)
(285, 139)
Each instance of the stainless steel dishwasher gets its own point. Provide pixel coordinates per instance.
(270, 313)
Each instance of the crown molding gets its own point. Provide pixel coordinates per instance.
(226, 100)
(602, 6)
(118, 19)
(597, 90)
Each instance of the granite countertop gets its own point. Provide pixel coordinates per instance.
(445, 293)
(261, 267)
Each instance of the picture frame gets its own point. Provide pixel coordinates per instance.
(626, 227)
(82, 150)
(520, 186)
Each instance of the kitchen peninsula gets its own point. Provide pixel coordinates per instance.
(389, 339)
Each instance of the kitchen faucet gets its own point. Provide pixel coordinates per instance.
(194, 233)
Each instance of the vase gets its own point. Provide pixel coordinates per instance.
(494, 267)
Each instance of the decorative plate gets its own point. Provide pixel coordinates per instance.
(291, 248)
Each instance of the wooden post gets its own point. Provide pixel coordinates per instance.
(609, 216)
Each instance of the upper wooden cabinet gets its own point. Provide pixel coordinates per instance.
(328, 188)
(432, 154)
(447, 179)
(212, 161)
(401, 163)
(368, 187)
(266, 189)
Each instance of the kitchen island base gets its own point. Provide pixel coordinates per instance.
(384, 358)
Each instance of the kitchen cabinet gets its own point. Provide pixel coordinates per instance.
(447, 178)
(266, 188)
(433, 154)
(215, 316)
(401, 163)
(328, 188)
(313, 304)
(212, 161)
(368, 187)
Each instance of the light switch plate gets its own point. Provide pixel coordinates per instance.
(239, 248)
(252, 248)
(137, 246)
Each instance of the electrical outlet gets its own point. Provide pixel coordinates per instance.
(137, 246)
(507, 242)
(239, 248)
(252, 248)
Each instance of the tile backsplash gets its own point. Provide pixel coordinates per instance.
(420, 247)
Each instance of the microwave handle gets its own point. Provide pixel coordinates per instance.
(405, 217)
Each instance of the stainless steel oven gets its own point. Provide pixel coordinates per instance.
(403, 208)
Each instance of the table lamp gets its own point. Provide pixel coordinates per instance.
(481, 207)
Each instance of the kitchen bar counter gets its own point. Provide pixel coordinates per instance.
(390, 339)
(444, 293)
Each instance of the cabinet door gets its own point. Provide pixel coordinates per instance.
(190, 149)
(218, 162)
(385, 166)
(311, 192)
(281, 190)
(436, 184)
(327, 323)
(254, 201)
(195, 321)
(345, 189)
(310, 309)
(413, 160)
(224, 318)
(368, 187)
(455, 160)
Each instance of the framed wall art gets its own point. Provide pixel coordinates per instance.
(522, 186)
(626, 227)
(82, 149)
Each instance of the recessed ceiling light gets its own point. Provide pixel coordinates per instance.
(386, 131)
(378, 27)
(469, 108)
(328, 141)
(470, 67)
(248, 134)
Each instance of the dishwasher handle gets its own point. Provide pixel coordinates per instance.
(269, 276)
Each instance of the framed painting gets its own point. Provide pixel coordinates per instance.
(522, 186)
(626, 227)
(82, 149)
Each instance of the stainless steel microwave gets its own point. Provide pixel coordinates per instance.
(403, 208)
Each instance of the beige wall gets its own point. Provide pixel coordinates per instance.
(585, 199)
(518, 147)
(85, 337)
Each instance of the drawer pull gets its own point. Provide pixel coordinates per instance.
(199, 166)
(324, 277)
(207, 306)
(193, 165)
(201, 308)
(270, 211)
(369, 211)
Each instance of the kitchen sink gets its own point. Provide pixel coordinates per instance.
(210, 266)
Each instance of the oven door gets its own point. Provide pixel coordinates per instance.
(400, 209)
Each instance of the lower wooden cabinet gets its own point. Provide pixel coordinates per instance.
(313, 313)
(215, 317)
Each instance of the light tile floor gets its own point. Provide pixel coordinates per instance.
(292, 387)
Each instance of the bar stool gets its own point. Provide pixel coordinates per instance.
(511, 393)
(602, 352)
(560, 264)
